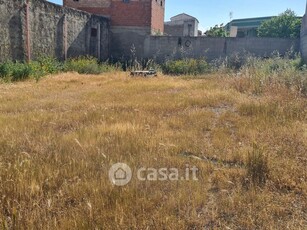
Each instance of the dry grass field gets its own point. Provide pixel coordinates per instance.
(59, 137)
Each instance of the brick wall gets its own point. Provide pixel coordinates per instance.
(135, 13)
(157, 16)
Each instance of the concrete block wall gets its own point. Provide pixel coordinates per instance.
(263, 47)
(124, 40)
(172, 47)
(173, 30)
(54, 31)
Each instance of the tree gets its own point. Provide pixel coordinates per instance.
(217, 31)
(286, 25)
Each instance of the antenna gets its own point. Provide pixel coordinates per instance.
(230, 15)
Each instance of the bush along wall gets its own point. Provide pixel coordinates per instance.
(18, 71)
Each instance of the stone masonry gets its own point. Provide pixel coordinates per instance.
(51, 30)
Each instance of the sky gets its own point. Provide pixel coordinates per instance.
(215, 12)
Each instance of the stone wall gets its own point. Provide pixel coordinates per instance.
(87, 3)
(11, 34)
(53, 30)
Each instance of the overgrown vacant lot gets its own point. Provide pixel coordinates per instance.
(60, 136)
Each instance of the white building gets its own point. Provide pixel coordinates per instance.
(182, 25)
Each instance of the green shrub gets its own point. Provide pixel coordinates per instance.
(20, 71)
(186, 67)
(83, 65)
(44, 66)
(299, 63)
(107, 67)
(5, 69)
(88, 65)
(15, 71)
(50, 65)
(10, 71)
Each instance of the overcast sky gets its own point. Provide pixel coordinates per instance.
(212, 12)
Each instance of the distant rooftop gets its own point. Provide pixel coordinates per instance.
(179, 16)
(248, 22)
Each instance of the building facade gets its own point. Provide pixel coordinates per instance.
(182, 25)
(245, 27)
(142, 15)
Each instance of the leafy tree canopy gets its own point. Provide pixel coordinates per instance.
(217, 31)
(286, 25)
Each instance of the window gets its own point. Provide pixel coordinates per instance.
(94, 32)
(76, 0)
(189, 29)
(126, 1)
(179, 42)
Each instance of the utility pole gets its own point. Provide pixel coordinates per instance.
(230, 15)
